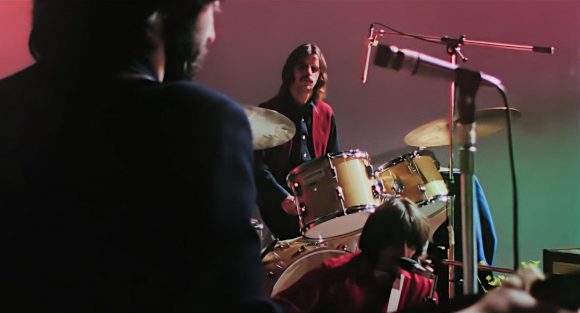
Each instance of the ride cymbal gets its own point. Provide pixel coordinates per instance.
(436, 133)
(269, 128)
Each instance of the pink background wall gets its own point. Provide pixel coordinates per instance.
(255, 36)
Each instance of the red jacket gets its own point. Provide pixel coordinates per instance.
(346, 284)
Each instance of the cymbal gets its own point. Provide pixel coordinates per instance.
(436, 133)
(269, 128)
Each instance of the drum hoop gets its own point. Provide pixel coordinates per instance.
(320, 220)
(300, 169)
(435, 198)
(354, 153)
(317, 250)
(402, 158)
(322, 241)
(360, 208)
(303, 167)
(391, 163)
(333, 215)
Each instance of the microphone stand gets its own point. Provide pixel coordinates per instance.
(453, 49)
(467, 82)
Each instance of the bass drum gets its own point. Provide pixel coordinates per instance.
(290, 259)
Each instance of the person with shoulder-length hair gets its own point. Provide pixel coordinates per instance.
(301, 99)
(117, 168)
(363, 281)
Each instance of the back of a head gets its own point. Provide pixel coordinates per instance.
(394, 223)
(107, 32)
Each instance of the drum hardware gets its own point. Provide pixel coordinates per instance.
(269, 248)
(258, 227)
(339, 194)
(480, 266)
(412, 166)
(297, 189)
(370, 171)
(377, 190)
(303, 208)
(332, 171)
(397, 186)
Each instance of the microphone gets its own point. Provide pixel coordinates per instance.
(423, 65)
(367, 55)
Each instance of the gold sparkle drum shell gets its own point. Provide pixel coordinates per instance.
(334, 193)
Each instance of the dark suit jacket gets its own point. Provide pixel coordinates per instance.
(124, 195)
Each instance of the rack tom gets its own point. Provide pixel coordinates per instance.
(334, 193)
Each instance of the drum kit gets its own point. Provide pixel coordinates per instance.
(335, 193)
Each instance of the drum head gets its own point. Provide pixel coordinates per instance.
(338, 226)
(302, 266)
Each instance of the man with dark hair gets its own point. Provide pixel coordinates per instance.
(363, 282)
(117, 169)
(301, 99)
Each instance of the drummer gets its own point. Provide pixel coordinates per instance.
(300, 98)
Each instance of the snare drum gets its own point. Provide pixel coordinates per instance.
(290, 259)
(415, 176)
(334, 193)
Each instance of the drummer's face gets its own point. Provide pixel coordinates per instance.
(306, 74)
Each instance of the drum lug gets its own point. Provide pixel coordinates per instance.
(421, 188)
(297, 189)
(413, 168)
(377, 190)
(303, 209)
(370, 171)
(332, 171)
(398, 187)
(270, 274)
(339, 194)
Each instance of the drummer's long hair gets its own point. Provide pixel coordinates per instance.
(296, 58)
(394, 223)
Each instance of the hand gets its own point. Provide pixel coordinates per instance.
(505, 299)
(525, 278)
(289, 206)
(513, 296)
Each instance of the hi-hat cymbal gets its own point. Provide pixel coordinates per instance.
(436, 133)
(269, 128)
